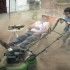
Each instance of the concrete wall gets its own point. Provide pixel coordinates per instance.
(53, 4)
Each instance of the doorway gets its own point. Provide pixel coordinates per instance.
(3, 8)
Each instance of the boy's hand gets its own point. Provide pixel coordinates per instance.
(61, 21)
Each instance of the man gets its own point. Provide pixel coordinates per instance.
(34, 33)
(67, 28)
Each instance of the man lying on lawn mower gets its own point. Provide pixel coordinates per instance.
(34, 33)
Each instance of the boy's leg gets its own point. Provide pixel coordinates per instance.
(65, 37)
(68, 44)
(29, 40)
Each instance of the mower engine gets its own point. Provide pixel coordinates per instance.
(14, 55)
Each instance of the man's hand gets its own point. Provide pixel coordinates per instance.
(68, 22)
(36, 27)
(38, 33)
(33, 26)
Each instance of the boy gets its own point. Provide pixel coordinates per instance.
(67, 27)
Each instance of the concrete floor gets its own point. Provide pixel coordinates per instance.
(55, 59)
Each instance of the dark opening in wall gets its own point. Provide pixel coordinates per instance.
(3, 8)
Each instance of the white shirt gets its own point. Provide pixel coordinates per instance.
(41, 25)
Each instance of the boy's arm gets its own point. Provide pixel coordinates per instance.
(68, 23)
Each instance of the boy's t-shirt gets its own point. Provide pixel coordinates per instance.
(67, 28)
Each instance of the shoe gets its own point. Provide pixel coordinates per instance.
(11, 44)
(4, 44)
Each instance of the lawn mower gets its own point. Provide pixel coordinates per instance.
(16, 55)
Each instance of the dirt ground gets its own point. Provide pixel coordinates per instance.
(54, 58)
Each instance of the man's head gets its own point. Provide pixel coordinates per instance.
(45, 17)
(67, 12)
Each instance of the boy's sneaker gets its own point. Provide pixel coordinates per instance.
(62, 46)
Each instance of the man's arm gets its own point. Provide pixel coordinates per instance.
(33, 26)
